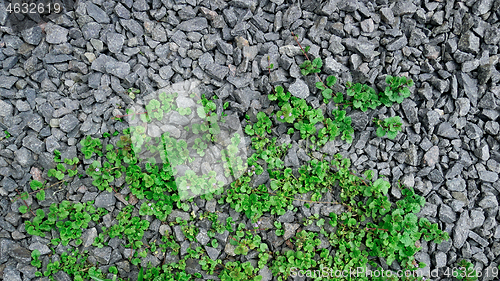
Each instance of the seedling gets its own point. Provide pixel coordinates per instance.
(390, 126)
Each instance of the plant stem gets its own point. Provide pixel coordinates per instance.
(25, 203)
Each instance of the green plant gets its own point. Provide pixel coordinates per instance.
(132, 92)
(7, 134)
(390, 126)
(200, 146)
(237, 271)
(396, 91)
(35, 261)
(364, 96)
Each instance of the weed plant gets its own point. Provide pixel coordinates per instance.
(367, 228)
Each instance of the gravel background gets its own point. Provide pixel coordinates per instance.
(66, 79)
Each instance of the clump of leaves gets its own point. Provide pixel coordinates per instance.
(200, 146)
(308, 66)
(364, 96)
(36, 261)
(397, 90)
(327, 92)
(237, 271)
(68, 218)
(389, 126)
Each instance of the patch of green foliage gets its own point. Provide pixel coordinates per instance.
(366, 227)
(389, 126)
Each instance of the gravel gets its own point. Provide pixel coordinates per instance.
(64, 80)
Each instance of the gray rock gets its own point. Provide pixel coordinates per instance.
(492, 128)
(489, 201)
(483, 151)
(97, 13)
(7, 81)
(363, 47)
(397, 44)
(359, 120)
(140, 5)
(447, 131)
(461, 230)
(446, 214)
(404, 8)
(6, 109)
(179, 235)
(488, 176)
(195, 24)
(102, 255)
(290, 229)
(474, 236)
(177, 119)
(481, 7)
(286, 217)
(469, 43)
(68, 123)
(210, 205)
(33, 144)
(202, 237)
(478, 218)
(387, 15)
(20, 254)
(88, 237)
(24, 157)
(119, 69)
(266, 274)
(224, 47)
(412, 156)
(431, 157)
(43, 248)
(213, 253)
(367, 25)
(11, 273)
(176, 213)
(8, 184)
(440, 259)
(115, 42)
(133, 26)
(456, 184)
(55, 34)
(33, 35)
(473, 131)
(424, 258)
(292, 14)
(335, 45)
(463, 106)
(105, 200)
(217, 71)
(291, 159)
(245, 4)
(410, 110)
(299, 89)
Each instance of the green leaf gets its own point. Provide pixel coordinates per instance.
(327, 93)
(331, 80)
(34, 184)
(320, 85)
(391, 134)
(381, 132)
(41, 195)
(318, 62)
(23, 209)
